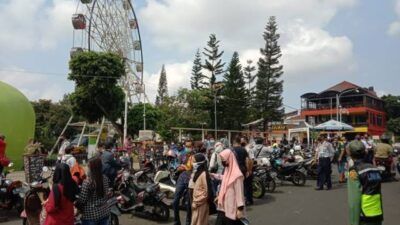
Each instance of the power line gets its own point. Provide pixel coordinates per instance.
(53, 74)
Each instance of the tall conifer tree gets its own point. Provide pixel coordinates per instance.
(234, 95)
(213, 61)
(162, 92)
(269, 85)
(197, 81)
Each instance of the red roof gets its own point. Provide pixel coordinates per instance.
(345, 85)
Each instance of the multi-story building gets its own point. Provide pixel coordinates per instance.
(360, 107)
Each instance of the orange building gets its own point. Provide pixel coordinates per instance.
(349, 103)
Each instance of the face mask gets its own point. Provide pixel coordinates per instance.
(196, 166)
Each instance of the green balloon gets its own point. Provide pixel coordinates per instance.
(17, 122)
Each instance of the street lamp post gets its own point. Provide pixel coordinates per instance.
(216, 87)
(338, 106)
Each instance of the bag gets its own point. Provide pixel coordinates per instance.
(4, 161)
(214, 169)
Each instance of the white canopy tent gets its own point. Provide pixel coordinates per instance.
(303, 127)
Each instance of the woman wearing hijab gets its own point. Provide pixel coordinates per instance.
(231, 194)
(60, 204)
(202, 191)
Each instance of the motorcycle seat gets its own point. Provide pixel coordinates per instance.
(146, 187)
(291, 164)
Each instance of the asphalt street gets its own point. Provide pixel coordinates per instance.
(291, 205)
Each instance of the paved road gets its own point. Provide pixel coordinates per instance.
(300, 206)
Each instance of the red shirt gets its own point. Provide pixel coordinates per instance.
(64, 214)
(2, 148)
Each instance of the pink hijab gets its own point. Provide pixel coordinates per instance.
(231, 174)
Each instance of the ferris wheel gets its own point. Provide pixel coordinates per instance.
(112, 26)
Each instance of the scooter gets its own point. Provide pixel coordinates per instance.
(145, 200)
(288, 172)
(10, 197)
(37, 193)
(385, 165)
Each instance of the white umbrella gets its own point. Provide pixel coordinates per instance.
(333, 125)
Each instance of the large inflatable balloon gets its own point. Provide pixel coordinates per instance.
(17, 122)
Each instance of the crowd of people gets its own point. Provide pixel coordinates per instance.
(214, 178)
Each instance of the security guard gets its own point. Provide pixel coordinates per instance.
(364, 189)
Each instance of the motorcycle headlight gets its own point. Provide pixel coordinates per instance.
(7, 182)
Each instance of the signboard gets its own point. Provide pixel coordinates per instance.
(280, 127)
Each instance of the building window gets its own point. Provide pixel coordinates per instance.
(379, 120)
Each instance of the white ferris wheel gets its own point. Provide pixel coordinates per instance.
(112, 26)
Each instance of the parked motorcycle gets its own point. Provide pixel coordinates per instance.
(262, 181)
(385, 165)
(311, 168)
(287, 171)
(10, 193)
(141, 199)
(37, 193)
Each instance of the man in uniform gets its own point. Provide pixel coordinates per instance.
(364, 189)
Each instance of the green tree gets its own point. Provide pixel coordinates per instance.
(197, 79)
(234, 95)
(51, 119)
(392, 108)
(97, 92)
(393, 125)
(162, 87)
(135, 118)
(269, 86)
(188, 108)
(249, 76)
(213, 62)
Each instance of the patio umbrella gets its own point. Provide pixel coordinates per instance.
(333, 125)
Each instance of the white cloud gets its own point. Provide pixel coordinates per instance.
(178, 75)
(35, 86)
(185, 24)
(34, 24)
(312, 50)
(308, 49)
(394, 27)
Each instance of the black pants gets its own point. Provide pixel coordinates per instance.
(222, 220)
(324, 173)
(248, 189)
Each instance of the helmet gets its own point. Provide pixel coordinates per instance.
(357, 148)
(297, 148)
(171, 153)
(385, 137)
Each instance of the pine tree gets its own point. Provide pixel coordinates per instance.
(234, 95)
(249, 76)
(197, 79)
(269, 86)
(162, 87)
(213, 61)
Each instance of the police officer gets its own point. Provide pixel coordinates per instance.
(364, 189)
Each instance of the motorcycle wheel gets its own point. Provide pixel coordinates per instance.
(258, 188)
(270, 185)
(162, 211)
(298, 178)
(113, 219)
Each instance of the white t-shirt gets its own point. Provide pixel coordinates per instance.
(64, 145)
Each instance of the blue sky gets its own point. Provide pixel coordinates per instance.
(323, 42)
